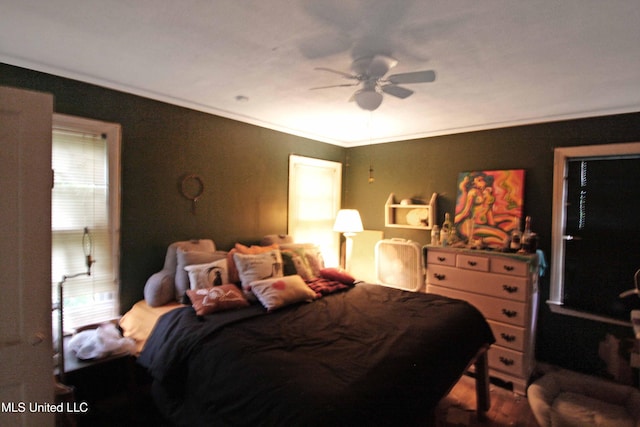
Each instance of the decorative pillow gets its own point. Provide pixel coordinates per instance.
(208, 275)
(288, 267)
(302, 268)
(339, 275)
(257, 267)
(255, 249)
(186, 258)
(160, 289)
(240, 248)
(279, 292)
(218, 298)
(310, 254)
(315, 260)
(232, 270)
(323, 286)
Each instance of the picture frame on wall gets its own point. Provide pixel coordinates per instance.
(489, 206)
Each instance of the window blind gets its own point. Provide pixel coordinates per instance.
(314, 200)
(80, 198)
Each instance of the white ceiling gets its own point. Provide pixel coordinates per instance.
(498, 62)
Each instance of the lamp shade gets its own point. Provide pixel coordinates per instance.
(348, 221)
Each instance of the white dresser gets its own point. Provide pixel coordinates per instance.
(504, 287)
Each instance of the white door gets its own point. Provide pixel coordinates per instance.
(26, 366)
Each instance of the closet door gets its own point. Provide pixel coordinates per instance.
(26, 367)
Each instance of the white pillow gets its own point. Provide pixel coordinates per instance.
(252, 267)
(203, 276)
(190, 257)
(279, 292)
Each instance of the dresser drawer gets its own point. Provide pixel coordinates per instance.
(508, 361)
(508, 335)
(472, 262)
(441, 258)
(504, 265)
(506, 311)
(496, 285)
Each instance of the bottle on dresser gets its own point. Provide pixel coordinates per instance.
(446, 231)
(435, 235)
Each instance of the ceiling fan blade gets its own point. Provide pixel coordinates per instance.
(331, 86)
(342, 73)
(397, 91)
(426, 76)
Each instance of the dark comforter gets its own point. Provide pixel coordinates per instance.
(369, 356)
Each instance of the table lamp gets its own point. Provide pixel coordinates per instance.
(348, 223)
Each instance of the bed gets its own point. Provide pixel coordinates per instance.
(364, 355)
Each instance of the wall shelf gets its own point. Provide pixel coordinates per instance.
(410, 215)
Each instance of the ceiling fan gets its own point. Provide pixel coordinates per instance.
(370, 71)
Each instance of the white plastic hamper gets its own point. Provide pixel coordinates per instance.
(399, 264)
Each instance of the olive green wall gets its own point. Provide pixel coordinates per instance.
(245, 172)
(417, 168)
(420, 167)
(244, 169)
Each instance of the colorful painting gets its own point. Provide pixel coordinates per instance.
(489, 206)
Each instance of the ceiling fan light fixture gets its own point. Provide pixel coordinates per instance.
(368, 99)
(369, 71)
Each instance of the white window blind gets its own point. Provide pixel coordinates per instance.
(314, 200)
(84, 194)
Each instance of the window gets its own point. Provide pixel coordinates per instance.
(86, 193)
(314, 199)
(596, 231)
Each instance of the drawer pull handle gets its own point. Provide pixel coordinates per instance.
(509, 313)
(472, 263)
(505, 361)
(508, 267)
(507, 337)
(510, 289)
(439, 276)
(442, 258)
